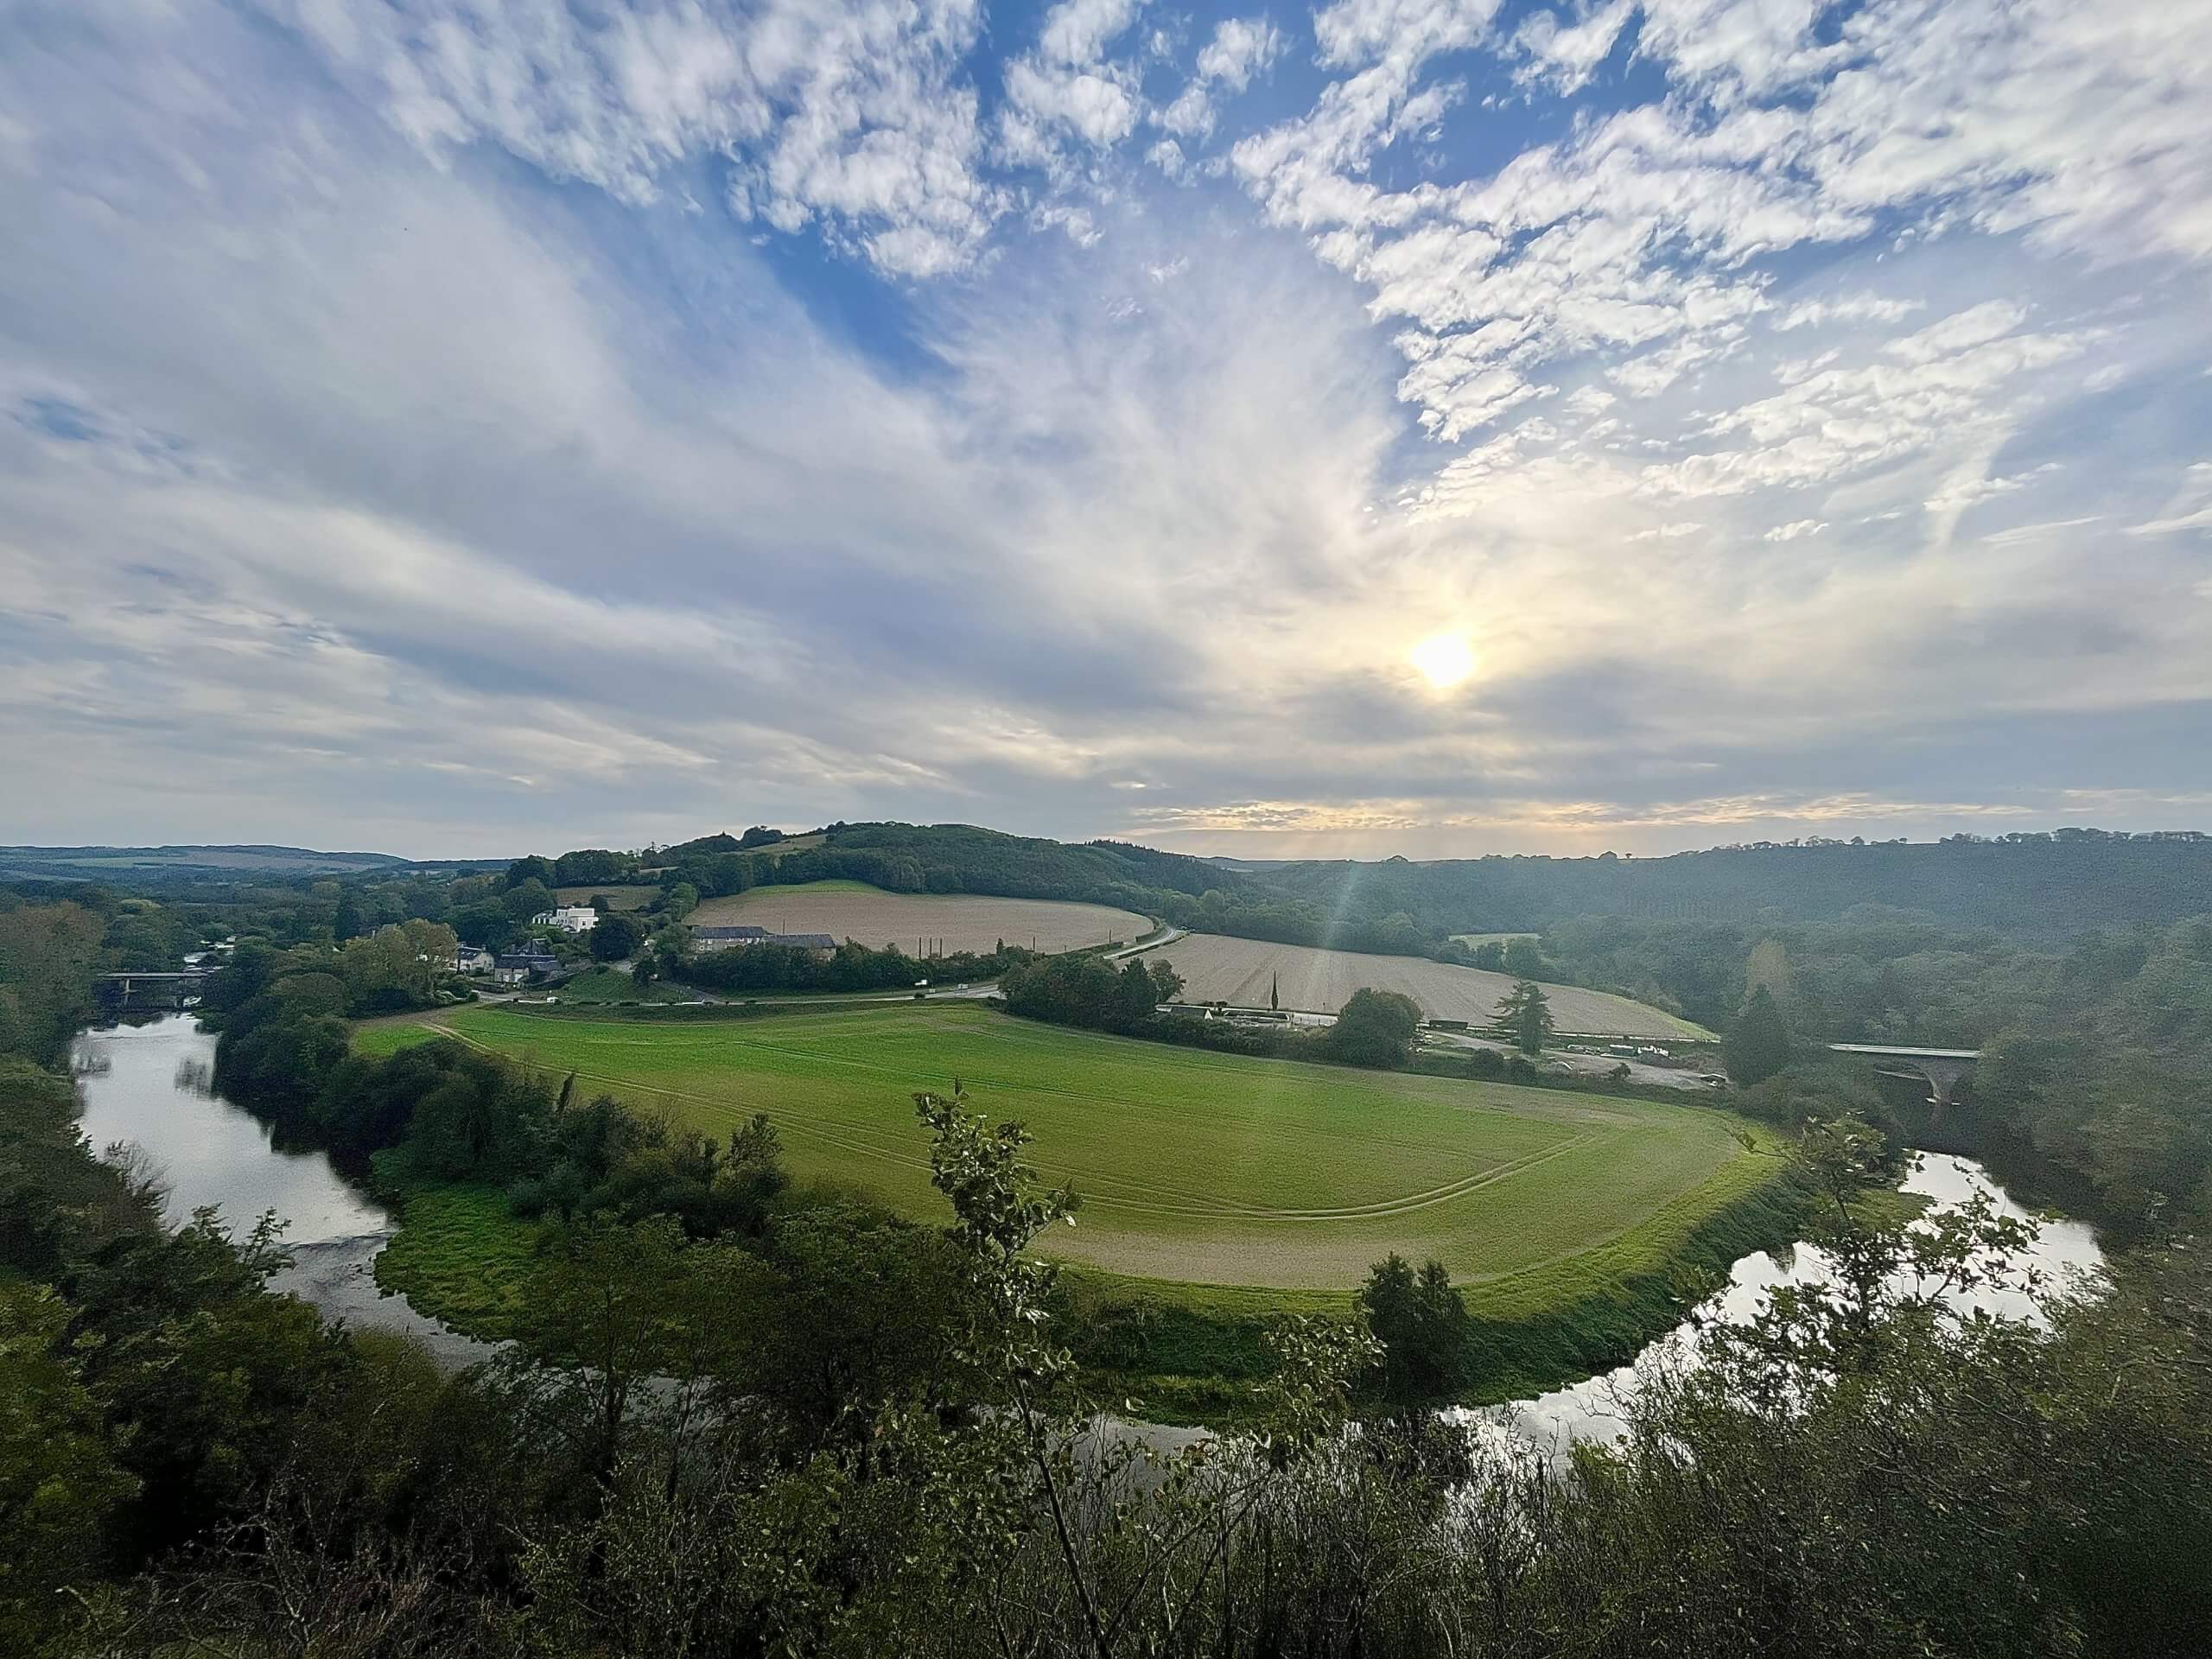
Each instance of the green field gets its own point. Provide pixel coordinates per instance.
(604, 985)
(1201, 1169)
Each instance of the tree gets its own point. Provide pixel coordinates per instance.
(1422, 1325)
(59, 1480)
(47, 954)
(346, 923)
(605, 1301)
(1375, 1028)
(538, 869)
(616, 937)
(1757, 1043)
(1166, 983)
(868, 1316)
(1522, 960)
(1490, 956)
(1138, 998)
(486, 924)
(1526, 1012)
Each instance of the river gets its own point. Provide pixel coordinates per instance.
(147, 1083)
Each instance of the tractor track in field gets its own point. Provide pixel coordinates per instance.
(813, 1128)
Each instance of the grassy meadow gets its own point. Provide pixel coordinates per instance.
(1268, 1177)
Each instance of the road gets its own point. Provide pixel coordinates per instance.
(1141, 945)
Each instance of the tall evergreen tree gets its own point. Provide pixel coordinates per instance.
(1526, 1012)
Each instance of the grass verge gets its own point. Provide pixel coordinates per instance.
(460, 1255)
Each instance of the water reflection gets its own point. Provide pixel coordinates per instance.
(153, 1085)
(1593, 1409)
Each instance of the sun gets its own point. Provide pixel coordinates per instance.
(1444, 659)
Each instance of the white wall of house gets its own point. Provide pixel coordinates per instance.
(569, 918)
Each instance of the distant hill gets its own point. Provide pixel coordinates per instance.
(957, 858)
(2048, 886)
(238, 861)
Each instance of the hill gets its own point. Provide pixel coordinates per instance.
(218, 862)
(2044, 886)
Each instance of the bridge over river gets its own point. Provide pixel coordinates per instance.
(1944, 1069)
(142, 990)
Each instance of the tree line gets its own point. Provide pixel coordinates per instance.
(2095, 1076)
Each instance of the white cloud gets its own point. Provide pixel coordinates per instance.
(854, 114)
(1564, 56)
(1240, 47)
(1972, 486)
(2189, 508)
(1069, 102)
(1045, 102)
(1191, 115)
(1956, 378)
(1850, 308)
(1796, 529)
(1076, 32)
(1631, 241)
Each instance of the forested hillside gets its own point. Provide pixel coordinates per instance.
(2045, 886)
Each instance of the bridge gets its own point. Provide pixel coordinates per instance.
(1943, 1068)
(165, 989)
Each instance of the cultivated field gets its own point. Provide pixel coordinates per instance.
(1202, 1168)
(1239, 971)
(850, 910)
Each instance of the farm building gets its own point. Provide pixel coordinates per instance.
(725, 938)
(515, 967)
(471, 959)
(569, 918)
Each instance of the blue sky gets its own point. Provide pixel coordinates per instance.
(448, 426)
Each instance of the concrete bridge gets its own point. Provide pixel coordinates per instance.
(1942, 1069)
(162, 990)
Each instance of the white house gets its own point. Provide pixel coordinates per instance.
(471, 959)
(569, 918)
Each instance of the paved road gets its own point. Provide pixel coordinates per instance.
(1168, 937)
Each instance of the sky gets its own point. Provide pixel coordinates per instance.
(1422, 426)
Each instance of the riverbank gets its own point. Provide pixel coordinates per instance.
(448, 1270)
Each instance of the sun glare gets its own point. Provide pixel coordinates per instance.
(1445, 660)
